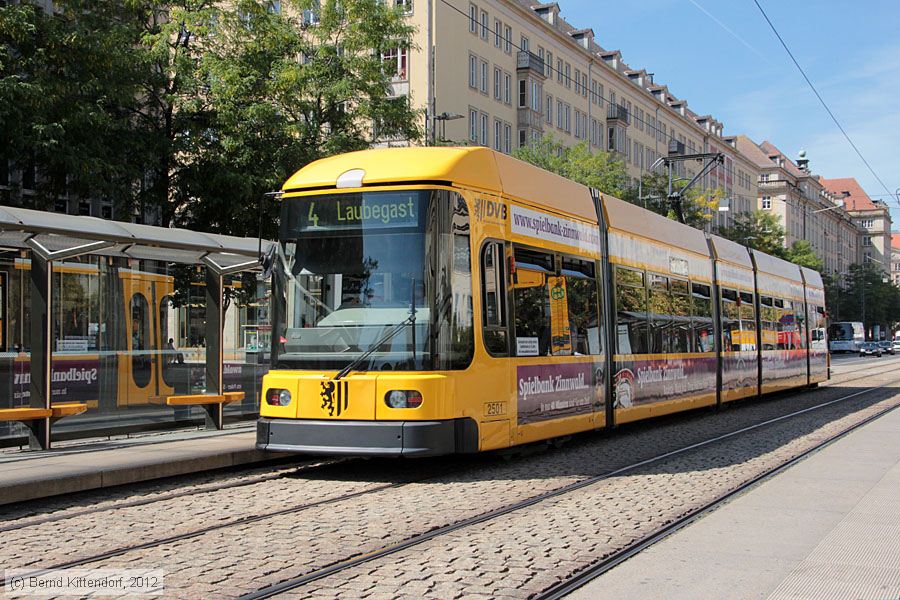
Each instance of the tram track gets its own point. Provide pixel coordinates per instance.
(571, 584)
(294, 583)
(288, 472)
(391, 549)
(166, 496)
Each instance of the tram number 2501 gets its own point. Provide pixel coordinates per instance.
(494, 409)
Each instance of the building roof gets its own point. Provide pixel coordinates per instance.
(855, 198)
(748, 148)
(895, 240)
(771, 149)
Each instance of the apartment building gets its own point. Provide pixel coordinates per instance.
(895, 258)
(501, 73)
(871, 216)
(806, 208)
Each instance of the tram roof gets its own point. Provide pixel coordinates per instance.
(812, 277)
(772, 265)
(631, 218)
(732, 252)
(475, 167)
(56, 230)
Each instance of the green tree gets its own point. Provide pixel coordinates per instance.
(698, 206)
(760, 230)
(596, 169)
(70, 81)
(867, 297)
(801, 253)
(195, 108)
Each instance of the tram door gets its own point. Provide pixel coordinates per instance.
(141, 365)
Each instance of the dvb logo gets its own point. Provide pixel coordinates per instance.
(490, 209)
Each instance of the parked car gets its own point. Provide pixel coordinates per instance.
(896, 344)
(887, 346)
(870, 349)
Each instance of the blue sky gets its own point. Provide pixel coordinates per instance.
(724, 60)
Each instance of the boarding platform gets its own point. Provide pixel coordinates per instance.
(826, 528)
(89, 464)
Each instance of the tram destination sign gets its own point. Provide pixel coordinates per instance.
(357, 211)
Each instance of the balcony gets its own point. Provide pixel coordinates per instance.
(526, 61)
(618, 113)
(530, 118)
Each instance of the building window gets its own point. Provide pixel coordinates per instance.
(484, 77)
(485, 134)
(764, 178)
(498, 136)
(577, 81)
(507, 88)
(867, 223)
(498, 84)
(405, 6)
(473, 71)
(507, 34)
(507, 138)
(522, 94)
(523, 44)
(559, 70)
(498, 32)
(395, 63)
(568, 110)
(484, 25)
(568, 75)
(473, 125)
(584, 85)
(767, 203)
(536, 93)
(867, 240)
(548, 114)
(522, 138)
(548, 64)
(473, 18)
(559, 114)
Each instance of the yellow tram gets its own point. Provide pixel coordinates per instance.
(438, 300)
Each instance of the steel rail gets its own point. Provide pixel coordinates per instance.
(301, 580)
(596, 570)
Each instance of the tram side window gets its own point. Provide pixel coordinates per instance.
(493, 298)
(702, 322)
(731, 324)
(631, 312)
(800, 325)
(531, 300)
(748, 320)
(768, 317)
(660, 309)
(679, 334)
(585, 326)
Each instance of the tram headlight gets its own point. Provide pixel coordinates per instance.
(403, 399)
(278, 397)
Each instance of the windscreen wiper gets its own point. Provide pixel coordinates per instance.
(410, 320)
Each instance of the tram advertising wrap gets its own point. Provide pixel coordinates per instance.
(640, 382)
(554, 391)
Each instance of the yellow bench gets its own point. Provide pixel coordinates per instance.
(192, 399)
(31, 416)
(211, 403)
(56, 411)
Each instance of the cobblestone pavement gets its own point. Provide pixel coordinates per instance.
(512, 556)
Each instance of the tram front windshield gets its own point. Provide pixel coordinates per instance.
(361, 266)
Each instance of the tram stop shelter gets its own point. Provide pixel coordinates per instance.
(52, 238)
